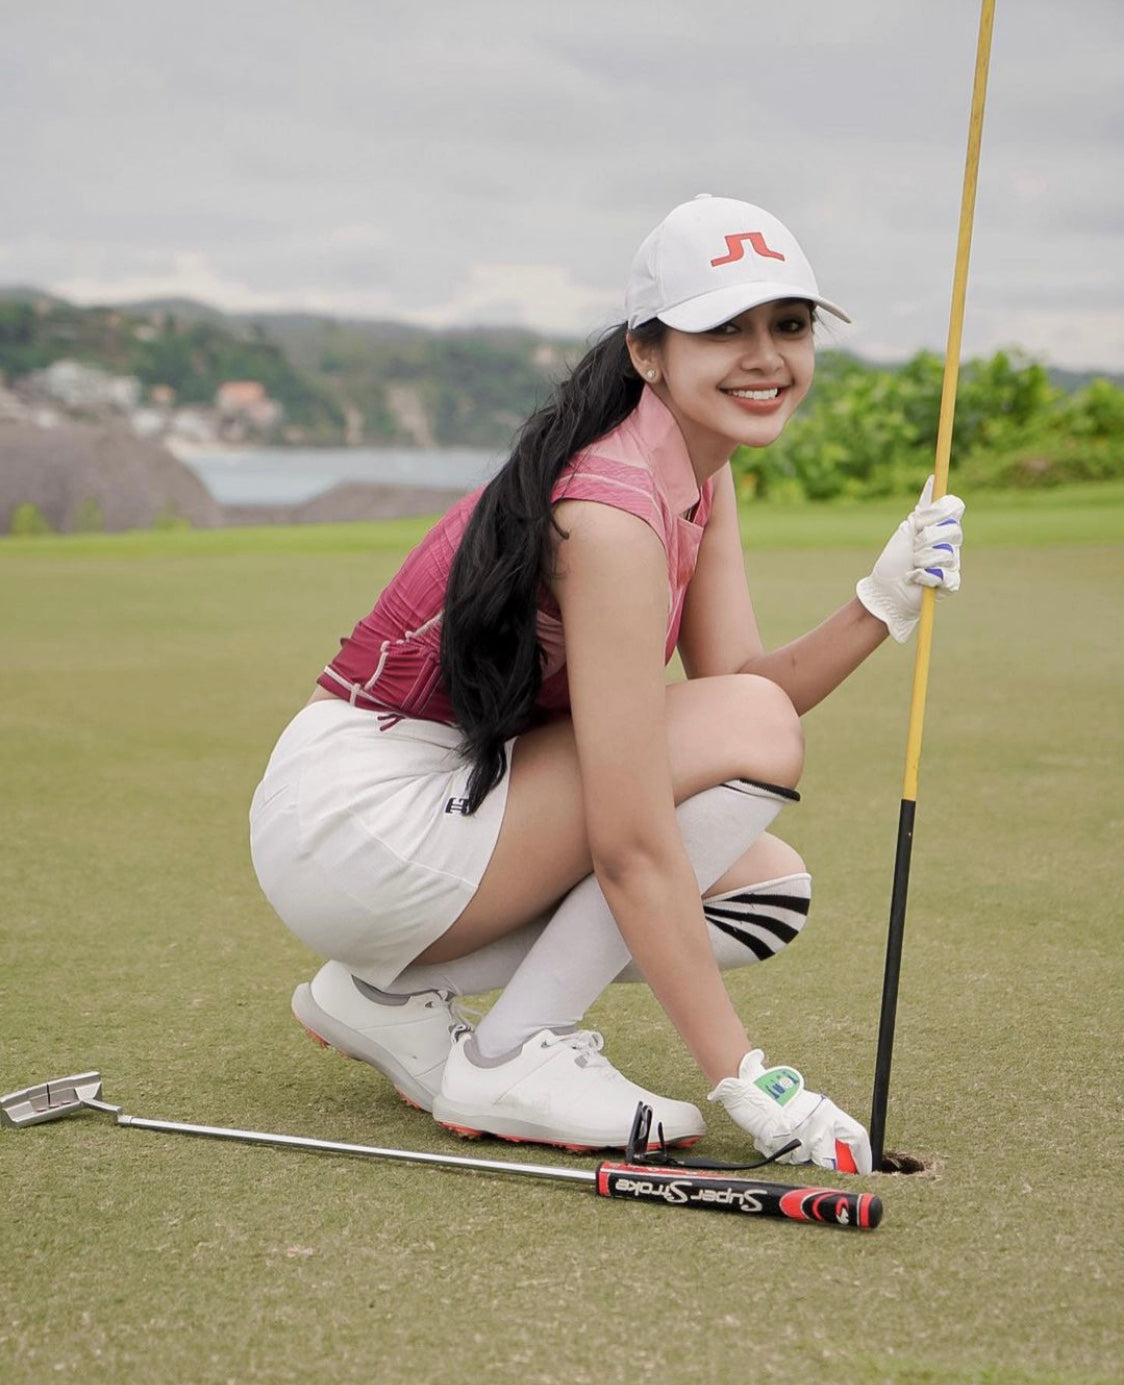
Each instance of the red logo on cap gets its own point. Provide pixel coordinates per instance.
(735, 247)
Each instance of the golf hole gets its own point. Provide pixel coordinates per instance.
(895, 1161)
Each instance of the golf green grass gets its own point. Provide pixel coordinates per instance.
(143, 679)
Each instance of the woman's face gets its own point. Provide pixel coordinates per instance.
(738, 384)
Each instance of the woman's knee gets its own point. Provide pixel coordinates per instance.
(740, 726)
(769, 858)
(768, 702)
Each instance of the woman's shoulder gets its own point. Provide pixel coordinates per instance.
(610, 479)
(642, 465)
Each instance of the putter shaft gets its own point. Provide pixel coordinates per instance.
(407, 1156)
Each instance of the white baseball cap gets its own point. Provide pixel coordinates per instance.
(713, 258)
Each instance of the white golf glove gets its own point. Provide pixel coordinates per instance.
(774, 1107)
(924, 551)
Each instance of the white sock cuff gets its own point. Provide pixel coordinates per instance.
(799, 883)
(719, 824)
(758, 788)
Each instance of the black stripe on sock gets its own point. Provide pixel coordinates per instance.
(728, 919)
(798, 903)
(761, 950)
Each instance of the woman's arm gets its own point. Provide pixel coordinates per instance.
(611, 586)
(719, 631)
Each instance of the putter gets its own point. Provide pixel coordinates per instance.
(671, 1186)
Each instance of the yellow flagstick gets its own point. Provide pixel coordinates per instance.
(928, 599)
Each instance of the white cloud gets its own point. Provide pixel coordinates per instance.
(499, 161)
(542, 296)
(187, 274)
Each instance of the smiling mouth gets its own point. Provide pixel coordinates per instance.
(762, 396)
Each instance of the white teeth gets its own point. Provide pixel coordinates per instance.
(755, 394)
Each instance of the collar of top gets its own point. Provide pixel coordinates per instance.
(653, 426)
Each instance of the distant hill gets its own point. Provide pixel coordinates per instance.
(1068, 380)
(1073, 380)
(281, 323)
(19, 293)
(192, 357)
(184, 310)
(340, 380)
(400, 383)
(299, 328)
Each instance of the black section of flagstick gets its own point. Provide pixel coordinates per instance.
(888, 1016)
(744, 1196)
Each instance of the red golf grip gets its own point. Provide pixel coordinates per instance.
(722, 1193)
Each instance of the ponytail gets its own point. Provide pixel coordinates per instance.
(491, 660)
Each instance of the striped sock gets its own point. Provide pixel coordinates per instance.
(580, 951)
(753, 922)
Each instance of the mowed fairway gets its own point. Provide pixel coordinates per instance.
(143, 680)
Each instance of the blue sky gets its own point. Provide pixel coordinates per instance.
(498, 161)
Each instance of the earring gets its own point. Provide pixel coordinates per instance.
(651, 374)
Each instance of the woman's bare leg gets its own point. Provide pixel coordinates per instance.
(735, 727)
(769, 858)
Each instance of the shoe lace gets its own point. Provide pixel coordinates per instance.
(463, 1016)
(467, 1014)
(587, 1043)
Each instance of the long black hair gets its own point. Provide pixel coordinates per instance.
(491, 660)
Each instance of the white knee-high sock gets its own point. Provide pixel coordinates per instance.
(488, 969)
(580, 950)
(749, 924)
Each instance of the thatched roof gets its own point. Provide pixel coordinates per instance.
(70, 470)
(87, 475)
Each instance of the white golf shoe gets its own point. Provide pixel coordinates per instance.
(407, 1038)
(557, 1090)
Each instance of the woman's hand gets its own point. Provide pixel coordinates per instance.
(775, 1108)
(924, 551)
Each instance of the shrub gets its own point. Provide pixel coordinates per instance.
(88, 518)
(169, 517)
(869, 432)
(1048, 459)
(28, 519)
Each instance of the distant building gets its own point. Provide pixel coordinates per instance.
(192, 426)
(148, 423)
(545, 356)
(86, 388)
(246, 402)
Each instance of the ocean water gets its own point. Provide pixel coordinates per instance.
(290, 475)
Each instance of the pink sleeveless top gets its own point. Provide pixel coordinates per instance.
(391, 661)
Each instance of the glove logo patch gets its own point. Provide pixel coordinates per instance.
(782, 1084)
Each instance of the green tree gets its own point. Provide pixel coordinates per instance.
(28, 519)
(88, 518)
(867, 431)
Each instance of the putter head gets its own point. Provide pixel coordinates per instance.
(50, 1101)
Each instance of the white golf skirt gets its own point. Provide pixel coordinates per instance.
(359, 838)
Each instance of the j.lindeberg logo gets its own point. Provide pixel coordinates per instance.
(457, 805)
(735, 248)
